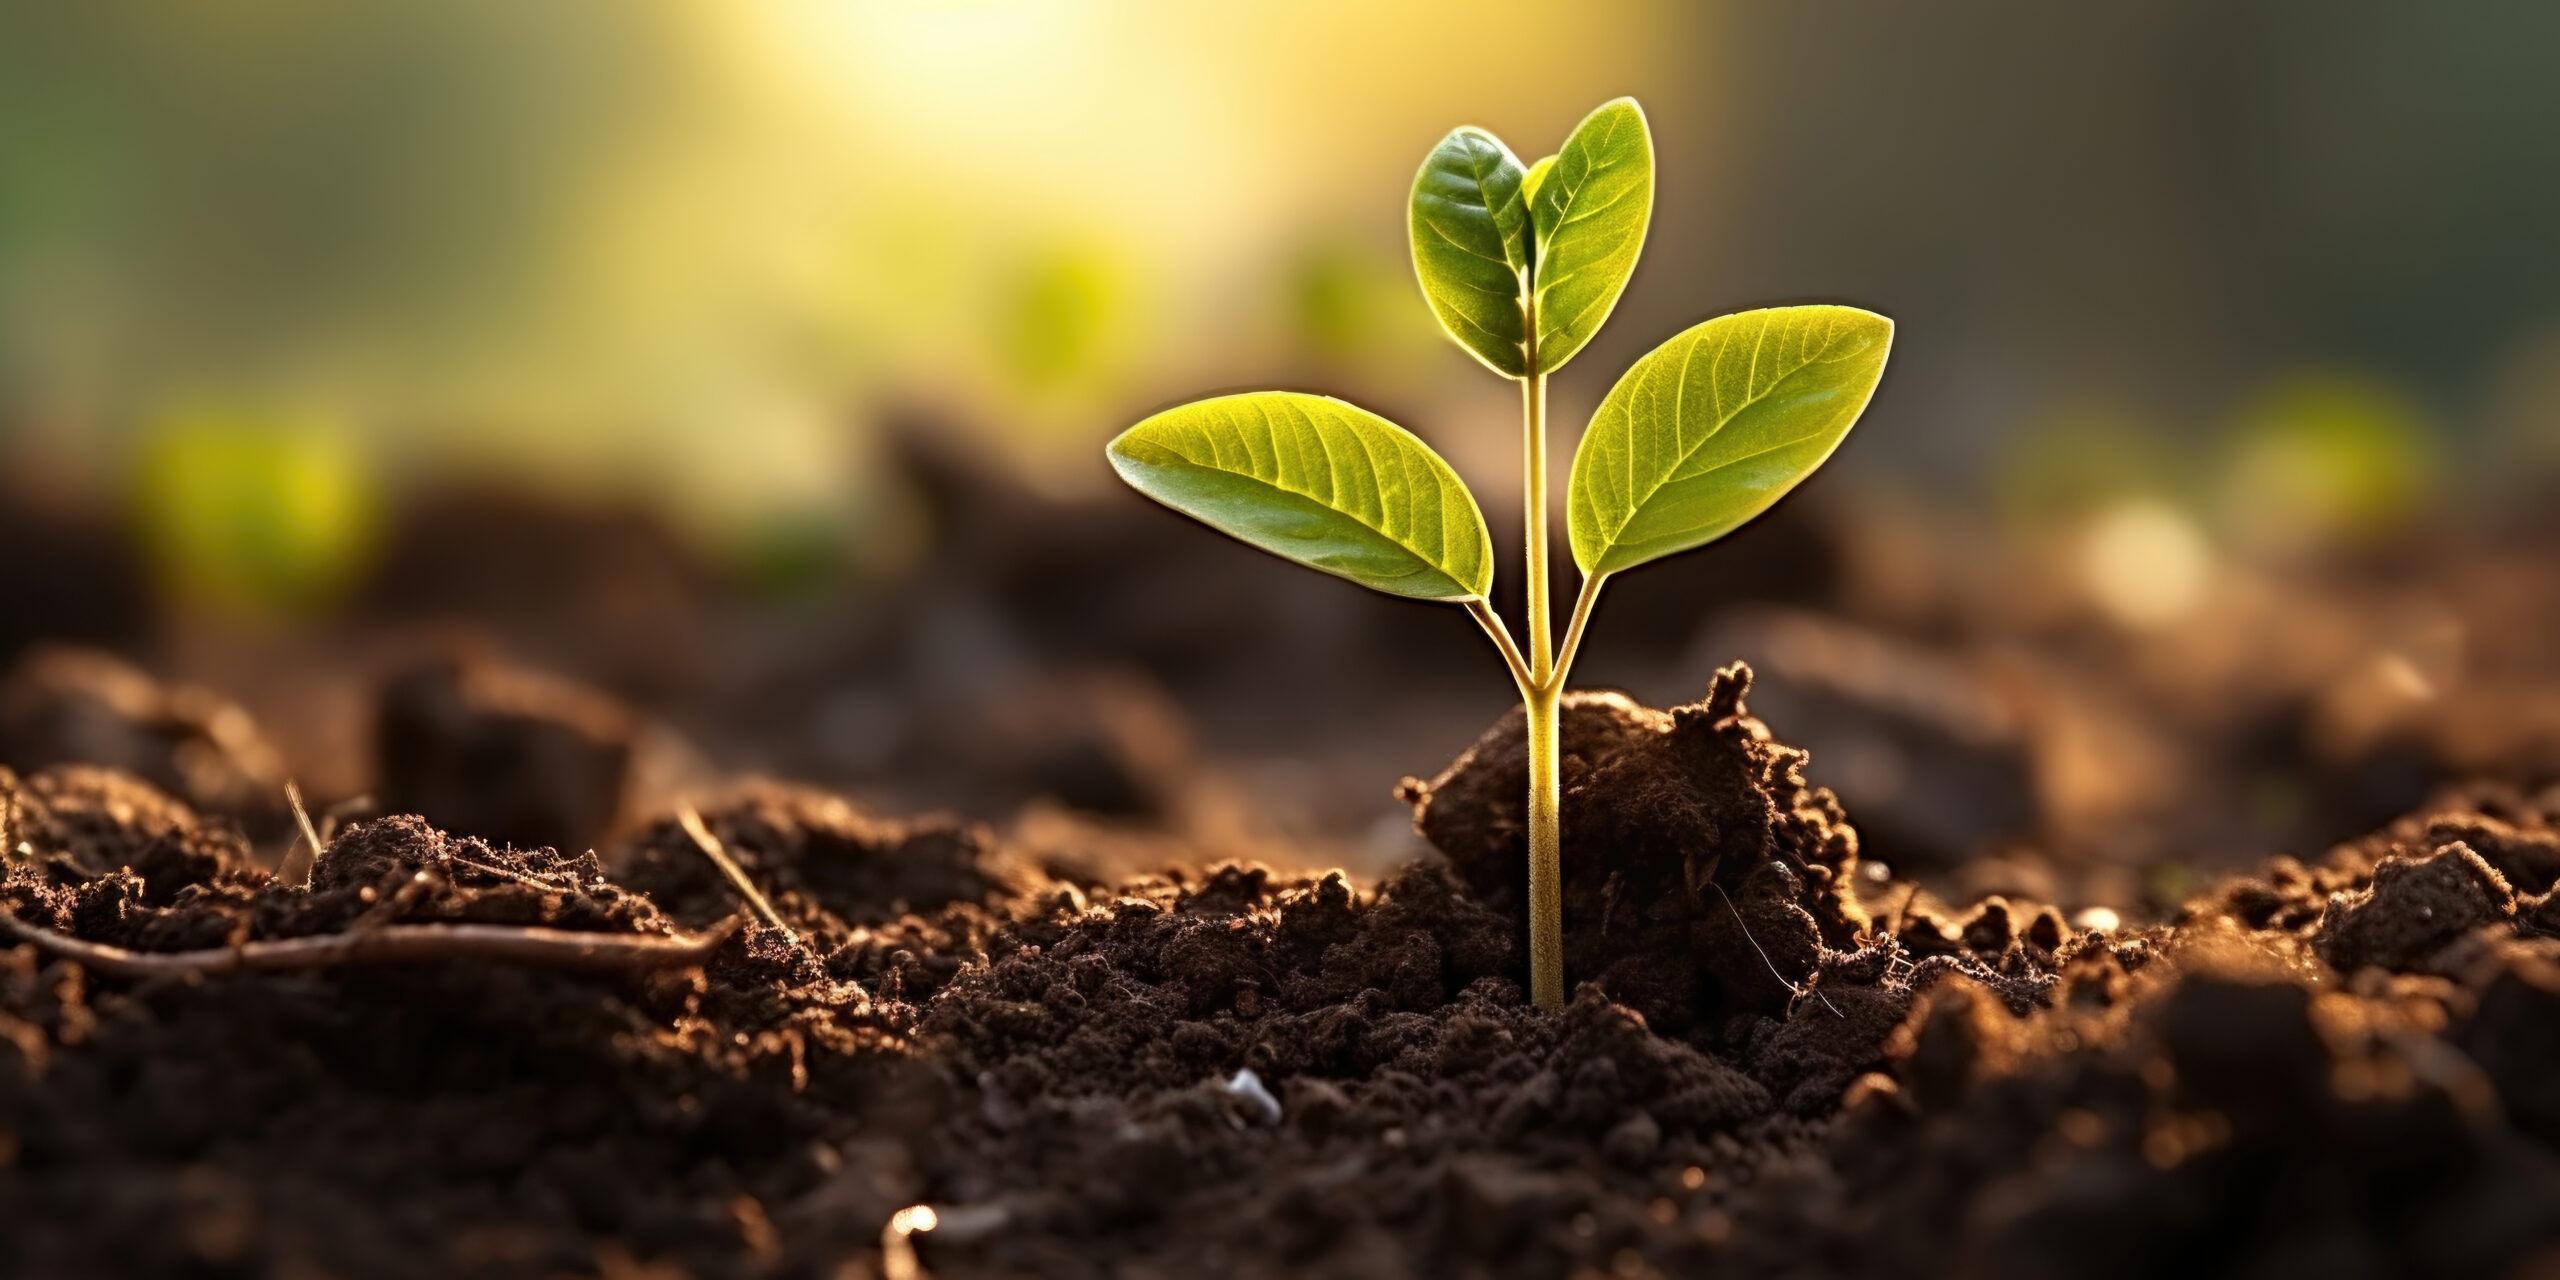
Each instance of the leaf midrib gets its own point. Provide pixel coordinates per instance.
(1573, 189)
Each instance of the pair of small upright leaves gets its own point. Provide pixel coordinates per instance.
(1522, 265)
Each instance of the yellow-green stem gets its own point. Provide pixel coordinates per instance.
(1533, 412)
(1541, 701)
(1546, 846)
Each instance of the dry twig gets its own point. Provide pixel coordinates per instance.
(392, 944)
(719, 855)
(294, 870)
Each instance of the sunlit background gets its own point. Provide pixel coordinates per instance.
(750, 359)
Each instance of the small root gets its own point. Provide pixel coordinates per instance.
(1745, 926)
(392, 944)
(527, 878)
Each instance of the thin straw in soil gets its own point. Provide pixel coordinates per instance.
(295, 870)
(719, 855)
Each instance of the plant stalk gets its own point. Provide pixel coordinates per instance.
(1533, 412)
(1542, 699)
(1546, 839)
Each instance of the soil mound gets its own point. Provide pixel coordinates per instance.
(1711, 876)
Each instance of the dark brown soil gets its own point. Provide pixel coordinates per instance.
(515, 756)
(1775, 1064)
(68, 705)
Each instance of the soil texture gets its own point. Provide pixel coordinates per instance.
(1776, 1060)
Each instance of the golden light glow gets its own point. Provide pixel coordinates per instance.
(2145, 563)
(589, 246)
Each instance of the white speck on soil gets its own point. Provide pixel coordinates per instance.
(1248, 1086)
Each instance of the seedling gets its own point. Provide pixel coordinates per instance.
(1522, 264)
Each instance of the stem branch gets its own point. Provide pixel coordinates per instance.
(1485, 617)
(1582, 602)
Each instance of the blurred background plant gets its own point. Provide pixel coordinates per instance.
(687, 248)
(2214, 314)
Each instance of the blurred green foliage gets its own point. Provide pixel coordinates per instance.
(1333, 300)
(257, 514)
(592, 243)
(1060, 319)
(2317, 459)
(268, 194)
(2074, 460)
(1349, 307)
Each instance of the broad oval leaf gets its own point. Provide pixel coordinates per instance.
(1590, 215)
(1327, 484)
(1470, 229)
(1710, 428)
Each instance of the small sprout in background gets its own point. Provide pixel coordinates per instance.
(1063, 315)
(2076, 460)
(2102, 484)
(261, 514)
(795, 554)
(782, 499)
(1522, 264)
(2320, 460)
(1349, 308)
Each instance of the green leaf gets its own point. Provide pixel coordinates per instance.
(1590, 216)
(1537, 174)
(1711, 427)
(1470, 229)
(1327, 484)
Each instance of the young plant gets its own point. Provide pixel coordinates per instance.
(1522, 264)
